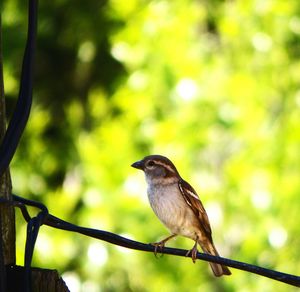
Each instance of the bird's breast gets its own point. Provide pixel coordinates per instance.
(170, 207)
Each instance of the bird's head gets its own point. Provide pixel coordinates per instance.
(157, 168)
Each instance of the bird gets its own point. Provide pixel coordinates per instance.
(177, 205)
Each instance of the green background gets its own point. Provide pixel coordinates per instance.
(213, 85)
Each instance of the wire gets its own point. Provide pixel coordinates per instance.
(116, 239)
(21, 113)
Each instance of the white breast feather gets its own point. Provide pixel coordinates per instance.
(170, 207)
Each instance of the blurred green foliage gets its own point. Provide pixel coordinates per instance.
(213, 85)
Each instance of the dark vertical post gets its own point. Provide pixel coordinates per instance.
(7, 214)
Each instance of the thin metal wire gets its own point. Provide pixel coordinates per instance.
(55, 222)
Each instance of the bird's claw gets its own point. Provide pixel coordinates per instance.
(161, 244)
(193, 252)
(158, 245)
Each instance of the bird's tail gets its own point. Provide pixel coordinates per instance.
(217, 269)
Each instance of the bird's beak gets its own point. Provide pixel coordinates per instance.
(139, 164)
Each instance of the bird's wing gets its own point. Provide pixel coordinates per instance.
(192, 199)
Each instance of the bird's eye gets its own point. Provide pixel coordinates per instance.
(151, 163)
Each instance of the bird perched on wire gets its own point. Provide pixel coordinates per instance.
(177, 205)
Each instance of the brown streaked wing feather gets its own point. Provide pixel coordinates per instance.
(192, 199)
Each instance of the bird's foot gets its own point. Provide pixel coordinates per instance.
(161, 244)
(158, 246)
(193, 252)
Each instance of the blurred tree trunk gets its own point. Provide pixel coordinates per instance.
(7, 214)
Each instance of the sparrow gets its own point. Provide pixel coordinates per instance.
(177, 205)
